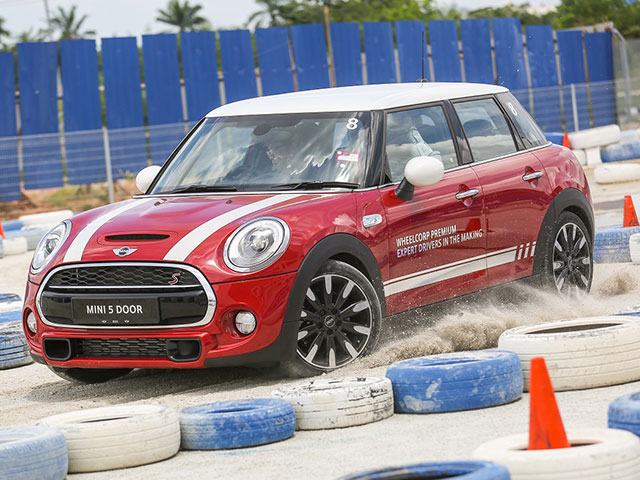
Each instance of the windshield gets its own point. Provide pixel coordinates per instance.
(265, 152)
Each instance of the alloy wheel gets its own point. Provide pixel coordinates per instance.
(571, 260)
(335, 322)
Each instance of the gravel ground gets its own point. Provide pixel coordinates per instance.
(33, 392)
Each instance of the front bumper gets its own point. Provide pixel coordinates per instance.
(220, 344)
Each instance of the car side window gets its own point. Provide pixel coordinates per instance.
(486, 128)
(418, 132)
(531, 135)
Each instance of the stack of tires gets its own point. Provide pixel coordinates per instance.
(14, 351)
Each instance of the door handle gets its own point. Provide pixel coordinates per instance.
(532, 176)
(467, 194)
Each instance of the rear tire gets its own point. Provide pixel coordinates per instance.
(90, 375)
(568, 258)
(339, 322)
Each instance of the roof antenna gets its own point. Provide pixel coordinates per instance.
(422, 79)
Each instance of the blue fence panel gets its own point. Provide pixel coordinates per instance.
(310, 54)
(378, 45)
(164, 102)
(410, 34)
(512, 73)
(443, 37)
(42, 162)
(544, 77)
(9, 172)
(123, 102)
(238, 66)
(82, 112)
(274, 60)
(572, 71)
(600, 64)
(200, 68)
(476, 49)
(347, 56)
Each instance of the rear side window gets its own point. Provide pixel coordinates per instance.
(418, 132)
(531, 135)
(486, 128)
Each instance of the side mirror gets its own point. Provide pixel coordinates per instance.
(146, 176)
(421, 172)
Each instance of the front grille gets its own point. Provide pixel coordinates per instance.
(88, 295)
(122, 276)
(121, 347)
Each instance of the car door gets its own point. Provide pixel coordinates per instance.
(516, 190)
(436, 239)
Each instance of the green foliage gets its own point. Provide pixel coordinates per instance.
(624, 15)
(511, 10)
(183, 15)
(69, 25)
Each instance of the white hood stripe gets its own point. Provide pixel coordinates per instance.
(187, 244)
(76, 249)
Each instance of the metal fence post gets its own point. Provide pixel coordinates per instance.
(107, 163)
(574, 107)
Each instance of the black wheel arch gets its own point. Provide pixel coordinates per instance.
(568, 200)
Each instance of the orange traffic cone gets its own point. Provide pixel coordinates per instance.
(1, 230)
(630, 218)
(545, 424)
(565, 141)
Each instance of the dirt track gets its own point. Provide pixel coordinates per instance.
(32, 392)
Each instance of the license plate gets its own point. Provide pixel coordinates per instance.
(127, 311)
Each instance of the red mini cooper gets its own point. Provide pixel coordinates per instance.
(284, 228)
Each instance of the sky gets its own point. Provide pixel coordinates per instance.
(136, 17)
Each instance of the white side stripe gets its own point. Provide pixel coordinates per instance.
(76, 249)
(187, 244)
(452, 270)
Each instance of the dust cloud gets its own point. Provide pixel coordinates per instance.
(476, 322)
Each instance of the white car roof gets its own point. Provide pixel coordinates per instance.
(355, 99)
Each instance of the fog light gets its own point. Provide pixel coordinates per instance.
(245, 322)
(32, 324)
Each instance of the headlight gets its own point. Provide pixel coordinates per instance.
(257, 244)
(49, 245)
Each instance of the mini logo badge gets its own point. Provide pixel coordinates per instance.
(124, 251)
(175, 278)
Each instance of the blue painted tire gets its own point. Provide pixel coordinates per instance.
(27, 453)
(426, 471)
(555, 137)
(12, 225)
(236, 424)
(456, 381)
(14, 351)
(13, 317)
(624, 413)
(612, 244)
(621, 152)
(9, 297)
(32, 235)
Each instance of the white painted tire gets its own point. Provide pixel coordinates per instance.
(579, 353)
(581, 155)
(634, 247)
(14, 246)
(339, 402)
(617, 173)
(46, 219)
(594, 137)
(115, 437)
(608, 454)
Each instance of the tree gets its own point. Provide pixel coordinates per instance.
(184, 16)
(69, 25)
(269, 16)
(576, 13)
(30, 35)
(510, 10)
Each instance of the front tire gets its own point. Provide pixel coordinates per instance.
(90, 375)
(568, 259)
(339, 321)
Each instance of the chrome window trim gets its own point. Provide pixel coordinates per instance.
(208, 316)
(460, 167)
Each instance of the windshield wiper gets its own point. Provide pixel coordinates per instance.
(197, 187)
(315, 184)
